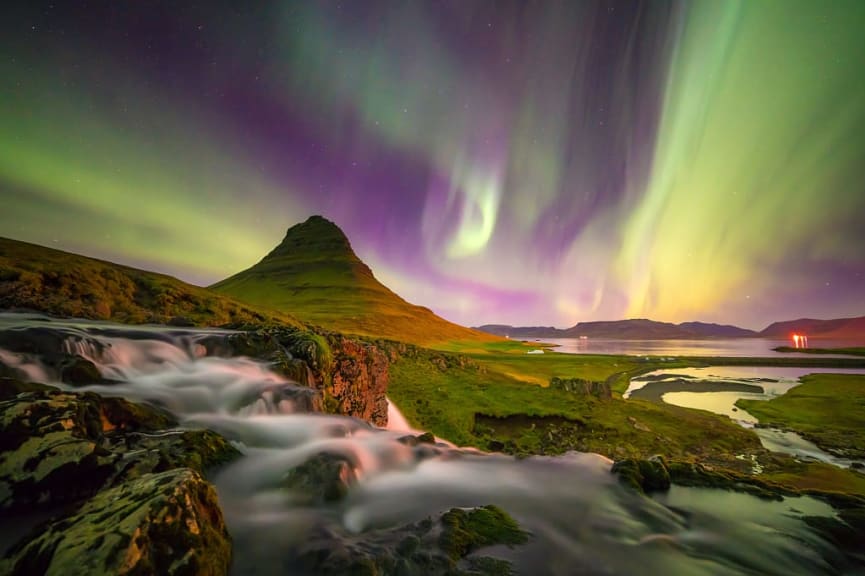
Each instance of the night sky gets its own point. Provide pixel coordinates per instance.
(513, 162)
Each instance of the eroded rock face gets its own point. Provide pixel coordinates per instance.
(582, 387)
(58, 447)
(164, 523)
(358, 380)
(351, 376)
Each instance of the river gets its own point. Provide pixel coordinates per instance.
(772, 380)
(581, 519)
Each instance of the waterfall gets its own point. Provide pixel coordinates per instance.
(582, 520)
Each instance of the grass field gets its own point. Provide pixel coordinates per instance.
(499, 400)
(850, 351)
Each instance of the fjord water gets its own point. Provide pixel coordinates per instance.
(581, 519)
(749, 347)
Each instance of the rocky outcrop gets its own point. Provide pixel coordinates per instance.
(59, 447)
(126, 485)
(582, 387)
(164, 523)
(358, 379)
(350, 375)
(646, 476)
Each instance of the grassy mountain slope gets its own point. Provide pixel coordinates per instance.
(838, 328)
(315, 275)
(43, 279)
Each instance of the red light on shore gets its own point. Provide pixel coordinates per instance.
(800, 341)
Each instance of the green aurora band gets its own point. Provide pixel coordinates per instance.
(541, 164)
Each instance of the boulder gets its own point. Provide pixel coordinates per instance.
(78, 371)
(646, 476)
(58, 447)
(322, 478)
(166, 523)
(446, 546)
(351, 375)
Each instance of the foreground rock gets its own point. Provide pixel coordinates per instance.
(165, 523)
(446, 546)
(124, 487)
(58, 447)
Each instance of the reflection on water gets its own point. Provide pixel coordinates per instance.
(774, 380)
(717, 402)
(750, 347)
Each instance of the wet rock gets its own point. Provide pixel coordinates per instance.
(11, 387)
(693, 474)
(351, 375)
(446, 546)
(58, 447)
(646, 476)
(165, 523)
(465, 531)
(322, 478)
(412, 440)
(358, 380)
(78, 371)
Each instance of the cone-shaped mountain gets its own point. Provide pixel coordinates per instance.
(316, 275)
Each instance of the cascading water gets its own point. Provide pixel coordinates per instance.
(582, 521)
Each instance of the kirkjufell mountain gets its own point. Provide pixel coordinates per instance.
(315, 274)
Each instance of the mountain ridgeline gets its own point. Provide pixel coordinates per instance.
(315, 274)
(45, 280)
(643, 329)
(637, 329)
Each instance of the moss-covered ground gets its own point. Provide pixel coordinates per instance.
(37, 278)
(498, 400)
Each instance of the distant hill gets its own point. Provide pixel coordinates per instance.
(837, 329)
(634, 329)
(315, 275)
(62, 284)
(521, 332)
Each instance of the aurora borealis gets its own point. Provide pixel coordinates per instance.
(515, 162)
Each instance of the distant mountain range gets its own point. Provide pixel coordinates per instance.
(644, 329)
(838, 329)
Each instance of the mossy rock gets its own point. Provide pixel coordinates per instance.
(322, 478)
(167, 523)
(427, 548)
(11, 387)
(78, 371)
(694, 474)
(311, 347)
(59, 447)
(643, 475)
(465, 531)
